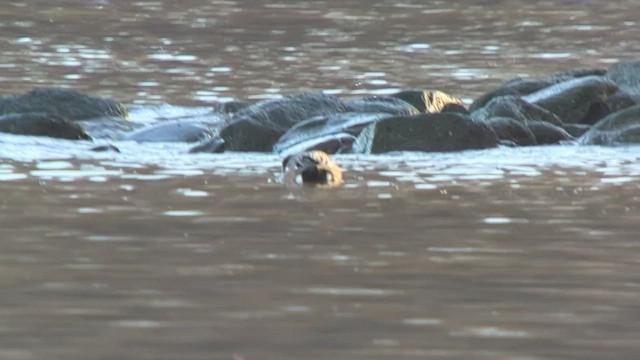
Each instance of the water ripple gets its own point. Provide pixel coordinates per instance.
(348, 291)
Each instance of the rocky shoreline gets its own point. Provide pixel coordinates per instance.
(581, 106)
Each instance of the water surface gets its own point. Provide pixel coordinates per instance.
(152, 253)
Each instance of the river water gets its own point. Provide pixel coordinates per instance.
(519, 254)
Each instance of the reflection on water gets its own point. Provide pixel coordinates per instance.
(167, 51)
(152, 253)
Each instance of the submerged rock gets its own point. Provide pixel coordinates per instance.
(425, 132)
(42, 124)
(68, 104)
(173, 131)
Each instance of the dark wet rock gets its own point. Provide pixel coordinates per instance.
(349, 123)
(389, 105)
(628, 135)
(426, 132)
(68, 104)
(41, 124)
(524, 86)
(576, 130)
(626, 74)
(112, 128)
(622, 127)
(213, 145)
(621, 119)
(173, 131)
(516, 108)
(330, 144)
(258, 127)
(105, 148)
(571, 100)
(610, 104)
(547, 133)
(514, 131)
(427, 101)
(531, 116)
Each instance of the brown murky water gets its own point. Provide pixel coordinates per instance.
(153, 254)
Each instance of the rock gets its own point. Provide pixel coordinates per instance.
(520, 87)
(547, 133)
(425, 132)
(68, 104)
(516, 108)
(610, 104)
(622, 127)
(258, 127)
(571, 100)
(576, 130)
(41, 124)
(517, 132)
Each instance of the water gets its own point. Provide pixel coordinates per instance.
(153, 253)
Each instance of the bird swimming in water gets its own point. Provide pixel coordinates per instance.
(315, 168)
